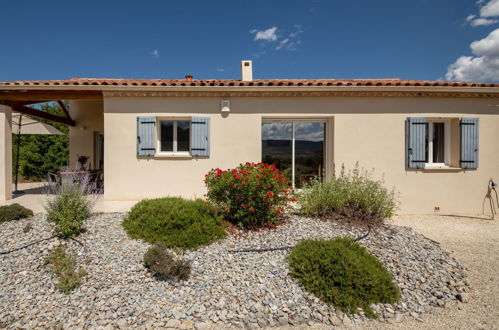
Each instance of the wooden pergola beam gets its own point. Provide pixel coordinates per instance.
(40, 114)
(48, 95)
(63, 109)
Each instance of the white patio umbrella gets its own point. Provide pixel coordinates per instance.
(23, 125)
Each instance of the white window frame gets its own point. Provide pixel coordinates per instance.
(158, 137)
(293, 121)
(447, 146)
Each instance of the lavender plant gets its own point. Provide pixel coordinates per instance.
(70, 203)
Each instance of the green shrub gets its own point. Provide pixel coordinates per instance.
(355, 194)
(175, 222)
(251, 195)
(64, 266)
(164, 266)
(343, 273)
(14, 212)
(70, 207)
(27, 228)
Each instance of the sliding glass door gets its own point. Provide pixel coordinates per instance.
(296, 147)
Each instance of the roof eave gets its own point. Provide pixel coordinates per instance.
(104, 88)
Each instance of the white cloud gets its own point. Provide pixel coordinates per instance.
(282, 131)
(259, 54)
(291, 42)
(483, 21)
(155, 54)
(297, 32)
(282, 43)
(287, 42)
(488, 11)
(267, 35)
(484, 66)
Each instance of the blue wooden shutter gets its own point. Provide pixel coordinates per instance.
(200, 139)
(417, 142)
(145, 136)
(469, 142)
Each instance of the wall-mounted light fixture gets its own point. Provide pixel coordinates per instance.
(225, 106)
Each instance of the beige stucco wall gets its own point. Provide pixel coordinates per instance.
(370, 131)
(89, 118)
(5, 153)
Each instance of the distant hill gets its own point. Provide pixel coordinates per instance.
(279, 147)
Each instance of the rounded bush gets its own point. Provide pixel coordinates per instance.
(355, 194)
(343, 273)
(251, 195)
(14, 212)
(175, 222)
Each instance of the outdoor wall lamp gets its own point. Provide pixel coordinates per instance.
(225, 106)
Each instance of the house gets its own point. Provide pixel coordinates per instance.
(435, 142)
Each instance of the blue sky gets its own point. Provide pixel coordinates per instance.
(417, 39)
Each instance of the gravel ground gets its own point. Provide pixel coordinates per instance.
(475, 242)
(225, 289)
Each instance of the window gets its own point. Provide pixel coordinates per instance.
(442, 143)
(174, 137)
(438, 143)
(295, 147)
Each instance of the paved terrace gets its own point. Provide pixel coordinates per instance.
(35, 196)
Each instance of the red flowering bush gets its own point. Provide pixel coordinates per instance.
(251, 195)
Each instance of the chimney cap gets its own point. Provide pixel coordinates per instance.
(188, 77)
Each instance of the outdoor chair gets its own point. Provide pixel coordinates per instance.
(54, 179)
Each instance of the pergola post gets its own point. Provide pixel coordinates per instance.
(5, 153)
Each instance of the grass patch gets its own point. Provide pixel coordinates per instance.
(65, 267)
(14, 212)
(164, 266)
(174, 222)
(343, 273)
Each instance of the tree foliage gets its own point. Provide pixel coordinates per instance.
(40, 154)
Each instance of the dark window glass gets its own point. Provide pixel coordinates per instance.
(166, 136)
(438, 142)
(309, 151)
(183, 136)
(277, 146)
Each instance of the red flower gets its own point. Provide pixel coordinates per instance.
(251, 209)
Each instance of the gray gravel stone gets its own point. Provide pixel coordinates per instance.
(225, 289)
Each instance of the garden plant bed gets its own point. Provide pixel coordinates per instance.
(229, 289)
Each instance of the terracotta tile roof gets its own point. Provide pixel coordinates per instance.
(234, 82)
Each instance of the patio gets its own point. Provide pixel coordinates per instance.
(35, 197)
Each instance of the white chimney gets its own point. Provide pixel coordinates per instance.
(246, 70)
